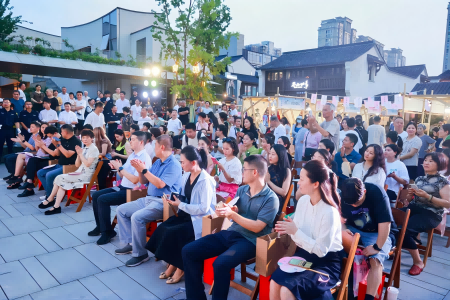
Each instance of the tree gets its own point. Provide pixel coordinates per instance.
(8, 23)
(202, 24)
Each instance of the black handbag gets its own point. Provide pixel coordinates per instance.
(309, 152)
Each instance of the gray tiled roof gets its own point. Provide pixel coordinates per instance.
(319, 56)
(410, 71)
(438, 88)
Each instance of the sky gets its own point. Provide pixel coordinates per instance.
(415, 26)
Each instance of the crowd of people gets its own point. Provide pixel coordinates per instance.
(349, 178)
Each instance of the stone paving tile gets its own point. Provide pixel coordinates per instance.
(4, 214)
(410, 291)
(80, 231)
(43, 278)
(2, 295)
(27, 297)
(67, 265)
(6, 199)
(99, 257)
(110, 248)
(62, 237)
(4, 231)
(98, 289)
(123, 286)
(85, 215)
(69, 291)
(26, 209)
(11, 210)
(15, 280)
(45, 241)
(53, 221)
(23, 224)
(425, 285)
(19, 247)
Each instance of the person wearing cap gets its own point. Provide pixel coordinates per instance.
(27, 116)
(428, 145)
(8, 119)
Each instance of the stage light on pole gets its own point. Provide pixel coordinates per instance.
(153, 83)
(145, 94)
(155, 71)
(175, 68)
(146, 82)
(224, 95)
(155, 93)
(147, 72)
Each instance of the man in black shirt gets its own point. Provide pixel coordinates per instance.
(183, 113)
(8, 119)
(53, 101)
(111, 118)
(65, 148)
(134, 97)
(27, 116)
(108, 102)
(366, 208)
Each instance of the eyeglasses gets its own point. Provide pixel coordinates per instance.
(243, 170)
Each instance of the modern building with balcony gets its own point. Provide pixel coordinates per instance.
(335, 32)
(357, 70)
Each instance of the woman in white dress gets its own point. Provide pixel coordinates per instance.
(372, 167)
(86, 162)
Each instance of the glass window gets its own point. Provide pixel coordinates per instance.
(281, 75)
(268, 76)
(106, 19)
(288, 75)
(276, 75)
(113, 18)
(253, 90)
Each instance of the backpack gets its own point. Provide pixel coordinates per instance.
(186, 139)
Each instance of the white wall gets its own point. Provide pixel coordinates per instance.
(357, 82)
(241, 66)
(53, 39)
(147, 34)
(262, 83)
(84, 35)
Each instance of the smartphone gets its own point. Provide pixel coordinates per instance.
(413, 186)
(214, 160)
(174, 194)
(56, 139)
(116, 188)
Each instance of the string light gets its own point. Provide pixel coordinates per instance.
(196, 69)
(146, 82)
(175, 68)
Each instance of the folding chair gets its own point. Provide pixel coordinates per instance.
(401, 198)
(444, 230)
(80, 195)
(295, 176)
(427, 250)
(350, 243)
(401, 218)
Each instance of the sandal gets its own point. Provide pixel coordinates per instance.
(415, 270)
(13, 186)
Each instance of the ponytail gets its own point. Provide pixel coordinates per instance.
(334, 187)
(192, 154)
(203, 162)
(400, 144)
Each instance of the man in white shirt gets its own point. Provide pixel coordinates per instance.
(121, 103)
(191, 137)
(351, 123)
(144, 118)
(235, 128)
(85, 96)
(67, 116)
(47, 114)
(96, 118)
(116, 95)
(399, 124)
(136, 110)
(280, 130)
(22, 87)
(79, 109)
(64, 95)
(330, 128)
(218, 142)
(233, 110)
(207, 108)
(376, 133)
(174, 124)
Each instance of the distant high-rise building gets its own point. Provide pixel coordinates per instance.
(446, 64)
(364, 38)
(335, 32)
(394, 57)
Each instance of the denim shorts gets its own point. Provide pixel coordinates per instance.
(370, 238)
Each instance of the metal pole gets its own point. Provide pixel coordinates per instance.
(423, 106)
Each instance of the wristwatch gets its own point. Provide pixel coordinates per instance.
(120, 169)
(23, 141)
(375, 246)
(144, 171)
(57, 146)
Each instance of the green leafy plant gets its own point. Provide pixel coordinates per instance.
(8, 23)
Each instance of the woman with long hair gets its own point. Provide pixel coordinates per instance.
(410, 151)
(446, 172)
(86, 162)
(372, 167)
(248, 147)
(249, 127)
(197, 199)
(316, 230)
(284, 140)
(427, 206)
(397, 174)
(102, 142)
(213, 124)
(324, 156)
(205, 144)
(279, 176)
(230, 169)
(266, 144)
(343, 132)
(121, 148)
(287, 125)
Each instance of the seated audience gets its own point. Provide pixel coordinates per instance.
(252, 217)
(397, 174)
(372, 167)
(324, 156)
(284, 140)
(221, 134)
(347, 155)
(97, 118)
(191, 137)
(65, 149)
(248, 147)
(164, 177)
(249, 127)
(316, 230)
(163, 129)
(365, 208)
(102, 142)
(45, 150)
(134, 128)
(197, 199)
(86, 162)
(230, 170)
(329, 145)
(392, 138)
(146, 126)
(205, 144)
(235, 128)
(279, 176)
(427, 206)
(266, 144)
(446, 172)
(121, 148)
(103, 199)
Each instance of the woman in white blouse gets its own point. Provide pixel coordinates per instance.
(316, 230)
(230, 168)
(86, 162)
(397, 174)
(410, 151)
(372, 166)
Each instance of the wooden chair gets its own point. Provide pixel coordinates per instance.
(446, 232)
(288, 198)
(294, 174)
(401, 218)
(85, 191)
(154, 159)
(350, 243)
(401, 198)
(426, 251)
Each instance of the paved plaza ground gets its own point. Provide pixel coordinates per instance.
(52, 257)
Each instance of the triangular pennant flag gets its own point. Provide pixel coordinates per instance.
(384, 100)
(358, 102)
(335, 100)
(346, 101)
(324, 99)
(313, 98)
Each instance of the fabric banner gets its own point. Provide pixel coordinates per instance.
(335, 100)
(324, 99)
(313, 98)
(370, 102)
(398, 101)
(384, 100)
(291, 103)
(358, 101)
(346, 101)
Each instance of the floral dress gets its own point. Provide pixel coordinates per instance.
(70, 182)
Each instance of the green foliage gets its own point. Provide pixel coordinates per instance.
(8, 23)
(17, 77)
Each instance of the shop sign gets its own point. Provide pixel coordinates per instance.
(300, 85)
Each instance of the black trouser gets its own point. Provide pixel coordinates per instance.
(10, 162)
(231, 249)
(420, 220)
(103, 174)
(34, 164)
(5, 136)
(392, 197)
(102, 201)
(420, 170)
(26, 134)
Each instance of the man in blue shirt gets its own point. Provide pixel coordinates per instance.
(27, 116)
(347, 154)
(164, 177)
(252, 217)
(17, 102)
(103, 199)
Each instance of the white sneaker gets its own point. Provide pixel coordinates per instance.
(43, 198)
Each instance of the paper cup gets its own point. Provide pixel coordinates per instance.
(392, 293)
